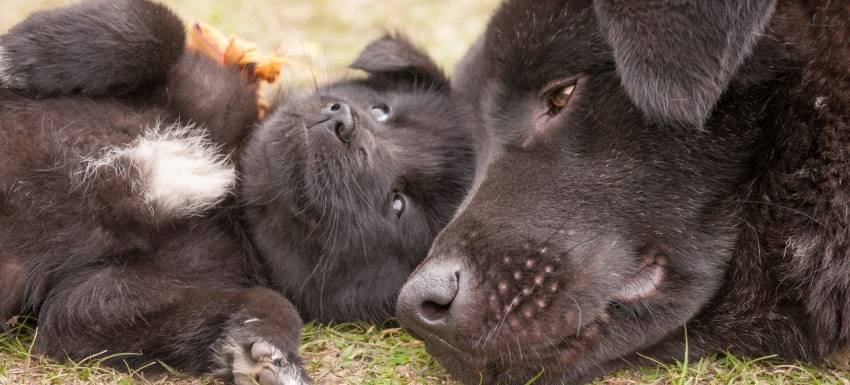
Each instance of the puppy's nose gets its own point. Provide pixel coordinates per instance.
(426, 301)
(339, 119)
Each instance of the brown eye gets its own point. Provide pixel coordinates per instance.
(559, 98)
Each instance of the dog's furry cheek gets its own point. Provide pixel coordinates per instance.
(179, 172)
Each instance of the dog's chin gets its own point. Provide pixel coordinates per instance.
(518, 365)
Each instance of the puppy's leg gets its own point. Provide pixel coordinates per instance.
(142, 315)
(218, 98)
(95, 48)
(128, 48)
(252, 348)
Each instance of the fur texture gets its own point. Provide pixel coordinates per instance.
(124, 229)
(179, 172)
(607, 214)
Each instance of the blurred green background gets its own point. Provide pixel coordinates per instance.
(323, 35)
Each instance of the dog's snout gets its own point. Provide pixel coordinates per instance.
(426, 301)
(340, 119)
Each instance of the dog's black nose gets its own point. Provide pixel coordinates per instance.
(340, 119)
(427, 302)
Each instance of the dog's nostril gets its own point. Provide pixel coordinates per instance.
(339, 129)
(433, 312)
(340, 118)
(428, 300)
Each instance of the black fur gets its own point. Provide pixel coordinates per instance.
(106, 266)
(595, 233)
(320, 213)
(144, 39)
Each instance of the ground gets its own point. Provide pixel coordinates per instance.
(324, 36)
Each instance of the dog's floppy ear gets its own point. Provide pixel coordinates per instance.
(676, 57)
(395, 58)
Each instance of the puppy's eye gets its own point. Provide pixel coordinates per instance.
(399, 204)
(559, 98)
(381, 112)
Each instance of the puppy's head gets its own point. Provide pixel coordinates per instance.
(599, 221)
(347, 186)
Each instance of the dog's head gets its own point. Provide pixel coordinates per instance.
(347, 186)
(599, 221)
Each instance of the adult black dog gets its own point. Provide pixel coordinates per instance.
(651, 169)
(123, 226)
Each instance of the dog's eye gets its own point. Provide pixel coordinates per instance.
(559, 98)
(399, 204)
(381, 112)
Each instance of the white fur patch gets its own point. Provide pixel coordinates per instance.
(264, 365)
(8, 79)
(5, 69)
(180, 172)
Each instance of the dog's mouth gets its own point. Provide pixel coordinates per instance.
(515, 368)
(646, 281)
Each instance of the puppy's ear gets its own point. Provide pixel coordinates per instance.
(396, 59)
(676, 57)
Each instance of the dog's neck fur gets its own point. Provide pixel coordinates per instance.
(795, 202)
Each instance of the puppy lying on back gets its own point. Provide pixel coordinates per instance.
(124, 227)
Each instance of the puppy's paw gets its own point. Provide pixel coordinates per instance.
(266, 365)
(261, 362)
(177, 171)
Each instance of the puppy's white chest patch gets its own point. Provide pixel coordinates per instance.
(180, 173)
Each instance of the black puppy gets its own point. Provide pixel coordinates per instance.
(123, 226)
(649, 170)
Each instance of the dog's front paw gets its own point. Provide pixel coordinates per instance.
(257, 361)
(266, 365)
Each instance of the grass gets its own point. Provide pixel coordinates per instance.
(359, 354)
(324, 36)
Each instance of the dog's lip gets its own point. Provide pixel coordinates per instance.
(432, 340)
(645, 283)
(547, 357)
(453, 355)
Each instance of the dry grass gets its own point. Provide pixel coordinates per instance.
(357, 354)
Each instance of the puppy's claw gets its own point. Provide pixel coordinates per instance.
(267, 365)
